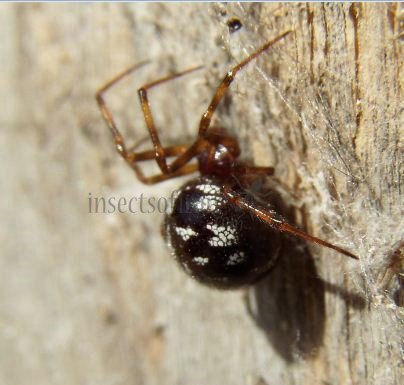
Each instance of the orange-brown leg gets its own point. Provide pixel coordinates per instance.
(242, 170)
(187, 169)
(106, 113)
(159, 151)
(217, 97)
(132, 157)
(279, 223)
(228, 79)
(247, 175)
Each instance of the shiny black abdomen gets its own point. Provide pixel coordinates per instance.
(216, 242)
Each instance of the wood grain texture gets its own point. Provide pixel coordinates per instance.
(95, 298)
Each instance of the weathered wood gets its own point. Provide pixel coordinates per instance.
(95, 298)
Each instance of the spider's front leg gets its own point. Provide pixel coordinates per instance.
(226, 82)
(217, 97)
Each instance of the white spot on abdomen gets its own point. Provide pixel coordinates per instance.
(224, 235)
(208, 188)
(185, 232)
(208, 202)
(201, 260)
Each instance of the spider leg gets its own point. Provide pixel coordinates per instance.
(242, 170)
(247, 175)
(187, 169)
(133, 158)
(217, 97)
(277, 222)
(227, 80)
(106, 112)
(150, 154)
(159, 152)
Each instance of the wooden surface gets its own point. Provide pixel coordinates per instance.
(95, 298)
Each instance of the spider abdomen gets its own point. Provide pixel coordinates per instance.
(215, 241)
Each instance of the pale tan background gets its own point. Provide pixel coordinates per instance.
(95, 298)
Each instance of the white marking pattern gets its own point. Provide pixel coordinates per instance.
(208, 188)
(224, 236)
(185, 232)
(208, 202)
(201, 260)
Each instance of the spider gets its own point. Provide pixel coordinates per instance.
(219, 235)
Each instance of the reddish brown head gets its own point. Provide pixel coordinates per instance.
(218, 155)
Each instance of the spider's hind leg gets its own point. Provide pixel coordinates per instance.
(276, 222)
